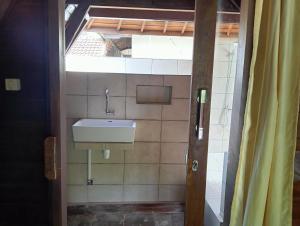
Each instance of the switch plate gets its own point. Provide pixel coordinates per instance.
(12, 84)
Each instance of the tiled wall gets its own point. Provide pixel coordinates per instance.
(221, 110)
(222, 94)
(154, 169)
(128, 65)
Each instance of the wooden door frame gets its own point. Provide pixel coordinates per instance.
(56, 73)
(244, 57)
(203, 58)
(202, 68)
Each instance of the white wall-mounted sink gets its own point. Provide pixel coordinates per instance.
(103, 130)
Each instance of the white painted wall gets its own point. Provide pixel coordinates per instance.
(162, 47)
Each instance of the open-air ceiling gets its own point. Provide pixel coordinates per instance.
(166, 17)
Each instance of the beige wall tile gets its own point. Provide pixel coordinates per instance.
(172, 193)
(76, 156)
(77, 193)
(153, 94)
(77, 174)
(147, 130)
(172, 174)
(105, 193)
(178, 110)
(84, 146)
(76, 106)
(116, 156)
(134, 80)
(76, 83)
(115, 83)
(119, 146)
(140, 193)
(107, 173)
(116, 152)
(173, 152)
(141, 173)
(101, 146)
(96, 107)
(175, 131)
(143, 153)
(180, 85)
(142, 111)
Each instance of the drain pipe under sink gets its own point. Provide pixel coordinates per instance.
(89, 179)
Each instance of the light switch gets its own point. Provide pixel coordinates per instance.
(12, 84)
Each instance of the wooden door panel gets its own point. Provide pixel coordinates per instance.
(23, 114)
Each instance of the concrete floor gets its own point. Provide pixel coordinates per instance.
(134, 219)
(114, 215)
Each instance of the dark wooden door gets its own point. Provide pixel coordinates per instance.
(204, 41)
(24, 115)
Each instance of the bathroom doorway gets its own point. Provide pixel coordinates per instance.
(124, 176)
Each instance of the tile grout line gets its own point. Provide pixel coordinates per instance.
(124, 151)
(87, 113)
(160, 145)
(87, 96)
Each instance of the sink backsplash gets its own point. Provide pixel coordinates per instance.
(153, 168)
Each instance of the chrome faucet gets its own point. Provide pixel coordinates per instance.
(107, 111)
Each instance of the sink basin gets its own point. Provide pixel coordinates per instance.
(103, 130)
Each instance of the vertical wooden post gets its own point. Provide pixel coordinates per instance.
(204, 42)
(56, 51)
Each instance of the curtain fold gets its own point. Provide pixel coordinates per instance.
(264, 181)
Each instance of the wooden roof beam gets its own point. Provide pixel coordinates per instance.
(111, 31)
(90, 23)
(184, 27)
(119, 25)
(154, 14)
(229, 30)
(152, 4)
(76, 22)
(226, 5)
(165, 27)
(143, 26)
(146, 14)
